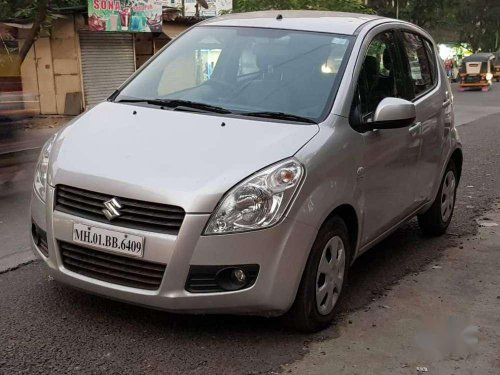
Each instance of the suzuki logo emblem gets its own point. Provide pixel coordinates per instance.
(111, 211)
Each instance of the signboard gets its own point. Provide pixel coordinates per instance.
(132, 16)
(215, 7)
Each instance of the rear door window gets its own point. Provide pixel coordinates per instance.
(419, 66)
(432, 59)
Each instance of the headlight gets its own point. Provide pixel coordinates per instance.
(41, 170)
(258, 202)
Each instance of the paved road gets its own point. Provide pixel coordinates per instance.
(47, 327)
(444, 319)
(23, 138)
(14, 216)
(473, 105)
(17, 163)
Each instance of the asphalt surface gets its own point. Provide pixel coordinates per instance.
(49, 328)
(19, 150)
(471, 105)
(444, 320)
(14, 215)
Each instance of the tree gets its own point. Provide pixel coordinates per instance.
(39, 18)
(425, 13)
(479, 23)
(40, 13)
(338, 5)
(476, 22)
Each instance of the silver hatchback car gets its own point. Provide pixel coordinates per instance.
(247, 165)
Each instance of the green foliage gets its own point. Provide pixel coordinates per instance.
(40, 13)
(476, 22)
(7, 9)
(26, 9)
(424, 13)
(338, 5)
(479, 23)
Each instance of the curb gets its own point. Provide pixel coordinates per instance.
(14, 261)
(19, 156)
(36, 122)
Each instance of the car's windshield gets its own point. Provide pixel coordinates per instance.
(248, 71)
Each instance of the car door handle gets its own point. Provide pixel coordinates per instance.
(415, 127)
(446, 103)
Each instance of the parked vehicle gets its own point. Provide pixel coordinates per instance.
(252, 189)
(476, 71)
(496, 64)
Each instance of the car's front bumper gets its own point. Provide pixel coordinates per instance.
(281, 253)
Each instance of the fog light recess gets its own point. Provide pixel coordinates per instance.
(231, 279)
(216, 279)
(40, 238)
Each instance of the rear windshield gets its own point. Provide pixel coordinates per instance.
(247, 70)
(474, 67)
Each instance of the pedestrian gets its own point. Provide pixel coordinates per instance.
(448, 65)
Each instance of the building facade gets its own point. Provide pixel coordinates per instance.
(72, 69)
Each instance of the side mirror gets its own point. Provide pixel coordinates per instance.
(393, 113)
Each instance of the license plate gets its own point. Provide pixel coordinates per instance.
(117, 242)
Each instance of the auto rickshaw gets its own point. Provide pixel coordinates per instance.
(496, 73)
(476, 71)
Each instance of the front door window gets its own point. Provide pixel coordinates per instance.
(380, 77)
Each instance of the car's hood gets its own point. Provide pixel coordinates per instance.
(179, 158)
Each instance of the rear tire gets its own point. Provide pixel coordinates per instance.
(437, 218)
(323, 280)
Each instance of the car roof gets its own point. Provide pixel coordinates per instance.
(319, 21)
(484, 56)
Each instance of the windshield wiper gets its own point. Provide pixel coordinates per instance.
(177, 104)
(279, 116)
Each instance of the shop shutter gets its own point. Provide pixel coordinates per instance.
(107, 61)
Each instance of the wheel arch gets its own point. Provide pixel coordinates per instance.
(458, 158)
(350, 217)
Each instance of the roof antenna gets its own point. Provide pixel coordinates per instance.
(279, 17)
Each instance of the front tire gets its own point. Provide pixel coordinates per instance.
(323, 279)
(436, 220)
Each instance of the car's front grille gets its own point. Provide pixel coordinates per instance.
(153, 217)
(116, 269)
